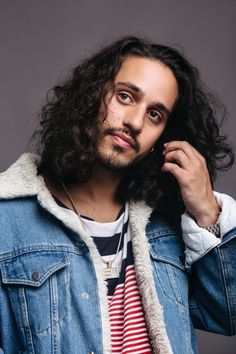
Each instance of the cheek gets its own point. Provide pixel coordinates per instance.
(114, 114)
(112, 106)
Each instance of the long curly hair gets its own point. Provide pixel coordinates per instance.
(67, 136)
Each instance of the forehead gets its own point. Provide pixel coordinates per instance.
(152, 77)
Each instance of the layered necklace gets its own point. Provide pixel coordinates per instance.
(110, 270)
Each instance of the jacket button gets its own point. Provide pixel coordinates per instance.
(85, 296)
(35, 276)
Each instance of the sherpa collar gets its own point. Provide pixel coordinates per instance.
(21, 180)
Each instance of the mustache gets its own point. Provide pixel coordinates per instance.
(131, 133)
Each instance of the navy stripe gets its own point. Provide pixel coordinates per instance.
(108, 245)
(124, 230)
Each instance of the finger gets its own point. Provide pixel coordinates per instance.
(179, 157)
(178, 172)
(189, 150)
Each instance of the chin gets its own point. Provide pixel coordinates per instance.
(115, 163)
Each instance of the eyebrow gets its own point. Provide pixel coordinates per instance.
(140, 93)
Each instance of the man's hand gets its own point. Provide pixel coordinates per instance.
(188, 166)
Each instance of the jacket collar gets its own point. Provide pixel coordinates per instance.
(20, 179)
(139, 217)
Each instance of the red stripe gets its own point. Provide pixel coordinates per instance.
(128, 327)
(144, 336)
(135, 350)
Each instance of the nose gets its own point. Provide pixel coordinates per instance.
(134, 118)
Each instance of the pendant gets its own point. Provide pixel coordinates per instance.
(110, 272)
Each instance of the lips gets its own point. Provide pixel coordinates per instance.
(123, 140)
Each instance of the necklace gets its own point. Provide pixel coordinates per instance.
(110, 271)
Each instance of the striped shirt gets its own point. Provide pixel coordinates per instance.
(128, 327)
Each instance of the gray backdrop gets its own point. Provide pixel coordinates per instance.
(42, 40)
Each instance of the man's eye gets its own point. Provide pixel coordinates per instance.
(155, 115)
(124, 97)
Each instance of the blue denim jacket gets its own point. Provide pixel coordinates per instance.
(53, 295)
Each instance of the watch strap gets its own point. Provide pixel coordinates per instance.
(214, 229)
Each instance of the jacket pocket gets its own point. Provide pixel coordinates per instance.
(167, 254)
(37, 283)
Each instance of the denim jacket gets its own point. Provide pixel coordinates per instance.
(53, 294)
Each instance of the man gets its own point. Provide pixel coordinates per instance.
(112, 239)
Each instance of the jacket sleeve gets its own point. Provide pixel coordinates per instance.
(212, 266)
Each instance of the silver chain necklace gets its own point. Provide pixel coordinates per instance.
(110, 271)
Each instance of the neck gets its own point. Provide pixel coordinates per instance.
(95, 198)
(102, 186)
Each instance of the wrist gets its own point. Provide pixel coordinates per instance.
(207, 220)
(211, 222)
(209, 214)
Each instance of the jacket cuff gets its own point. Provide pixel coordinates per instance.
(199, 241)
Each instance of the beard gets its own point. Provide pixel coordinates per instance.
(112, 162)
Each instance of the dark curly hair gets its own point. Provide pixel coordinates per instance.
(69, 125)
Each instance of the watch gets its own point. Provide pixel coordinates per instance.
(214, 229)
